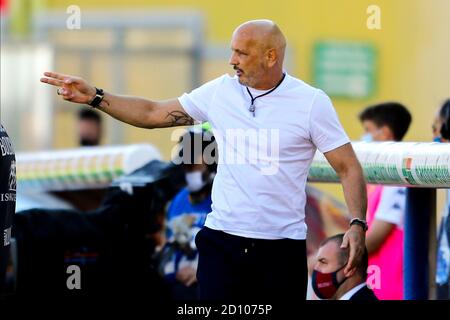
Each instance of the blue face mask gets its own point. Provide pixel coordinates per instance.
(437, 139)
(367, 138)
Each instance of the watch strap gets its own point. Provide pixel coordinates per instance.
(360, 222)
(98, 98)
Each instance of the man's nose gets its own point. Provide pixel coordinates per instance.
(316, 266)
(233, 60)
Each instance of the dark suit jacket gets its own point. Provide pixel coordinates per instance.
(364, 294)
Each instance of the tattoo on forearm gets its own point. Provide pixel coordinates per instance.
(179, 118)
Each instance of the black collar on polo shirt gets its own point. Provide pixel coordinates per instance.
(252, 107)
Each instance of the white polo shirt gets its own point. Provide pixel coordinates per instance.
(259, 189)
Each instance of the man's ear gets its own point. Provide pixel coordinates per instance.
(350, 273)
(387, 133)
(272, 57)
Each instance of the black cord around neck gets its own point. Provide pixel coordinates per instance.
(252, 106)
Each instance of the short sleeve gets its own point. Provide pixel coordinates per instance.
(197, 102)
(392, 205)
(325, 129)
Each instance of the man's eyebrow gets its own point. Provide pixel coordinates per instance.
(237, 50)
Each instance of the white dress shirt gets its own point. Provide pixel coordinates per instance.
(352, 291)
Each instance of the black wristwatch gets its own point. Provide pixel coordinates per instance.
(98, 98)
(359, 222)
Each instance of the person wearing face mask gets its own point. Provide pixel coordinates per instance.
(441, 133)
(187, 213)
(441, 126)
(385, 204)
(329, 279)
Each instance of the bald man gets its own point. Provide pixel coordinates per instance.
(267, 125)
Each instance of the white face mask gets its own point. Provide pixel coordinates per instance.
(371, 137)
(367, 138)
(195, 181)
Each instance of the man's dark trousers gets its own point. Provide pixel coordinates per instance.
(254, 270)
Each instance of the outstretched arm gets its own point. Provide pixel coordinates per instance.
(136, 111)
